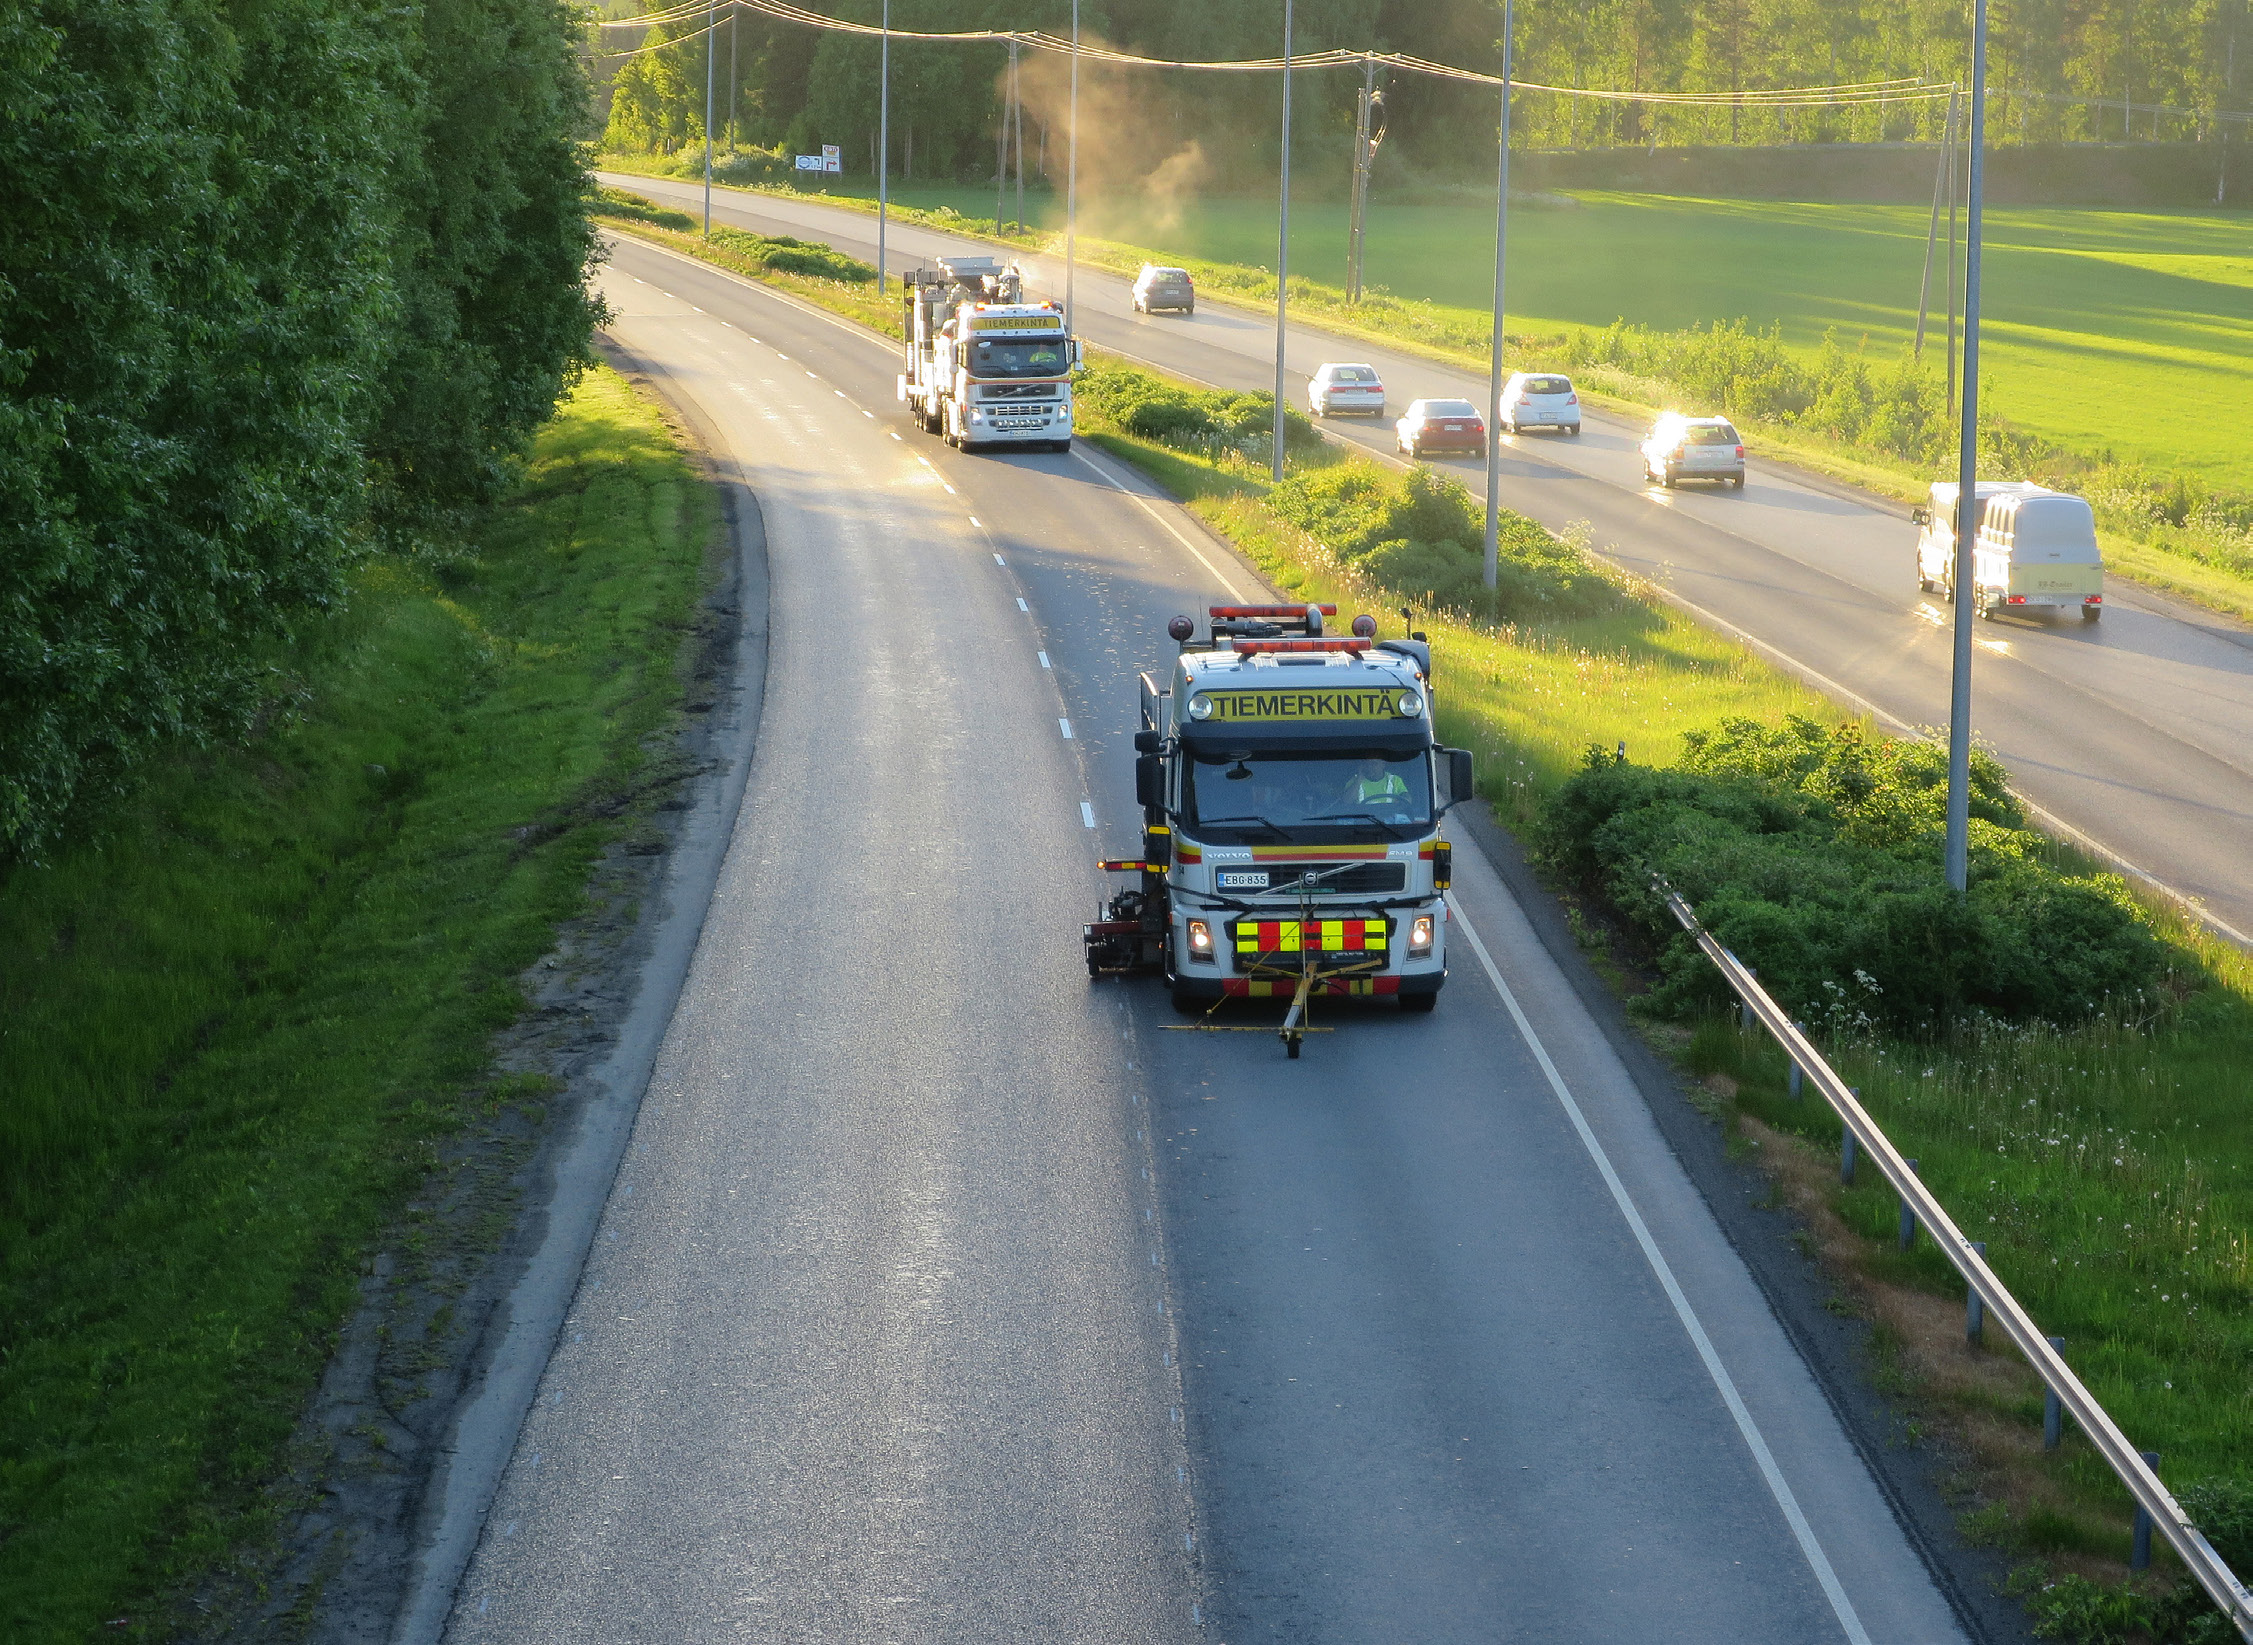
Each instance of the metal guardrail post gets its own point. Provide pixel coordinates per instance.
(2156, 1505)
(1846, 1158)
(1975, 1313)
(2053, 1410)
(1798, 1074)
(1909, 1217)
(2139, 1550)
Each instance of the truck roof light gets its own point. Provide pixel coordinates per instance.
(1253, 648)
(1181, 628)
(1268, 610)
(1365, 626)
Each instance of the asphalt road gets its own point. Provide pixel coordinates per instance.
(946, 1297)
(2136, 732)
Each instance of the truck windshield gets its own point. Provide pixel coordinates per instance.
(1264, 798)
(1017, 357)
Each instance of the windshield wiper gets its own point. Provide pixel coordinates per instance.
(1392, 830)
(1234, 822)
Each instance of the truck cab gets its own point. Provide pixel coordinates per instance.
(1292, 792)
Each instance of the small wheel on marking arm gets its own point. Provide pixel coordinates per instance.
(1419, 1002)
(1291, 1048)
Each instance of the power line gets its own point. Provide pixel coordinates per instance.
(1899, 90)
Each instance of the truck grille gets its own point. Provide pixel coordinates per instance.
(1357, 880)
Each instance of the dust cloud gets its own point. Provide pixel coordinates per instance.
(1138, 173)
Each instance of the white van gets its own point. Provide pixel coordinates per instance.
(2036, 548)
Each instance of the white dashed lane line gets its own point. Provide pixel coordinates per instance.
(981, 525)
(1021, 605)
(998, 560)
(1044, 659)
(1067, 725)
(1087, 814)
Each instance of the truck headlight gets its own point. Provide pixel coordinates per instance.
(1410, 704)
(1420, 937)
(1200, 707)
(1200, 941)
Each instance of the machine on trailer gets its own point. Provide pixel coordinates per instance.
(981, 365)
(1291, 792)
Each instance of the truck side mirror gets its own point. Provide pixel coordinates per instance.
(1150, 782)
(1920, 515)
(1462, 781)
(1147, 742)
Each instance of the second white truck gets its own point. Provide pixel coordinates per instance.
(982, 366)
(2036, 549)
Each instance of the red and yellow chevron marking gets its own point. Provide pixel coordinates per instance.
(1426, 851)
(1185, 852)
(1257, 937)
(1258, 989)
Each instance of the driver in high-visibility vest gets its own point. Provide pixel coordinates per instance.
(1374, 784)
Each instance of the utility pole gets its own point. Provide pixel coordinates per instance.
(1001, 137)
(1017, 124)
(735, 76)
(883, 142)
(1967, 481)
(711, 29)
(1932, 229)
(1072, 177)
(1493, 566)
(1361, 121)
(1955, 136)
(1283, 246)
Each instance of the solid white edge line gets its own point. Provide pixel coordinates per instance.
(1817, 1561)
(1151, 509)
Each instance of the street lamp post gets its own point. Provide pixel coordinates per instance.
(1967, 479)
(1283, 246)
(883, 142)
(1493, 564)
(1072, 177)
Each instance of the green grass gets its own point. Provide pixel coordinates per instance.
(2110, 1171)
(237, 1026)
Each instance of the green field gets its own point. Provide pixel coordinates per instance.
(2104, 329)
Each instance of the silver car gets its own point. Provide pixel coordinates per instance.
(1693, 448)
(1336, 388)
(1540, 399)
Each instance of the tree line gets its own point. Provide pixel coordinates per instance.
(281, 281)
(2061, 70)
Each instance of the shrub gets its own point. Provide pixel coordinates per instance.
(616, 202)
(1194, 419)
(1423, 535)
(1814, 853)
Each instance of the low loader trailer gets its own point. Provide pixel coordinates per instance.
(1291, 791)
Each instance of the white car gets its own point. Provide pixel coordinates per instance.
(1540, 399)
(1693, 448)
(1337, 388)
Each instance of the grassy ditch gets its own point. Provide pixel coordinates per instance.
(239, 1027)
(2120, 1146)
(1819, 374)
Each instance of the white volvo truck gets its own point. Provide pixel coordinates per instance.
(982, 366)
(1291, 792)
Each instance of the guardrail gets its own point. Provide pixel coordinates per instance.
(2156, 1507)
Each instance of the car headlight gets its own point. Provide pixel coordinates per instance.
(1200, 940)
(1410, 704)
(1200, 707)
(1420, 935)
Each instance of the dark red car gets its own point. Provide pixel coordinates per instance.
(1441, 425)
